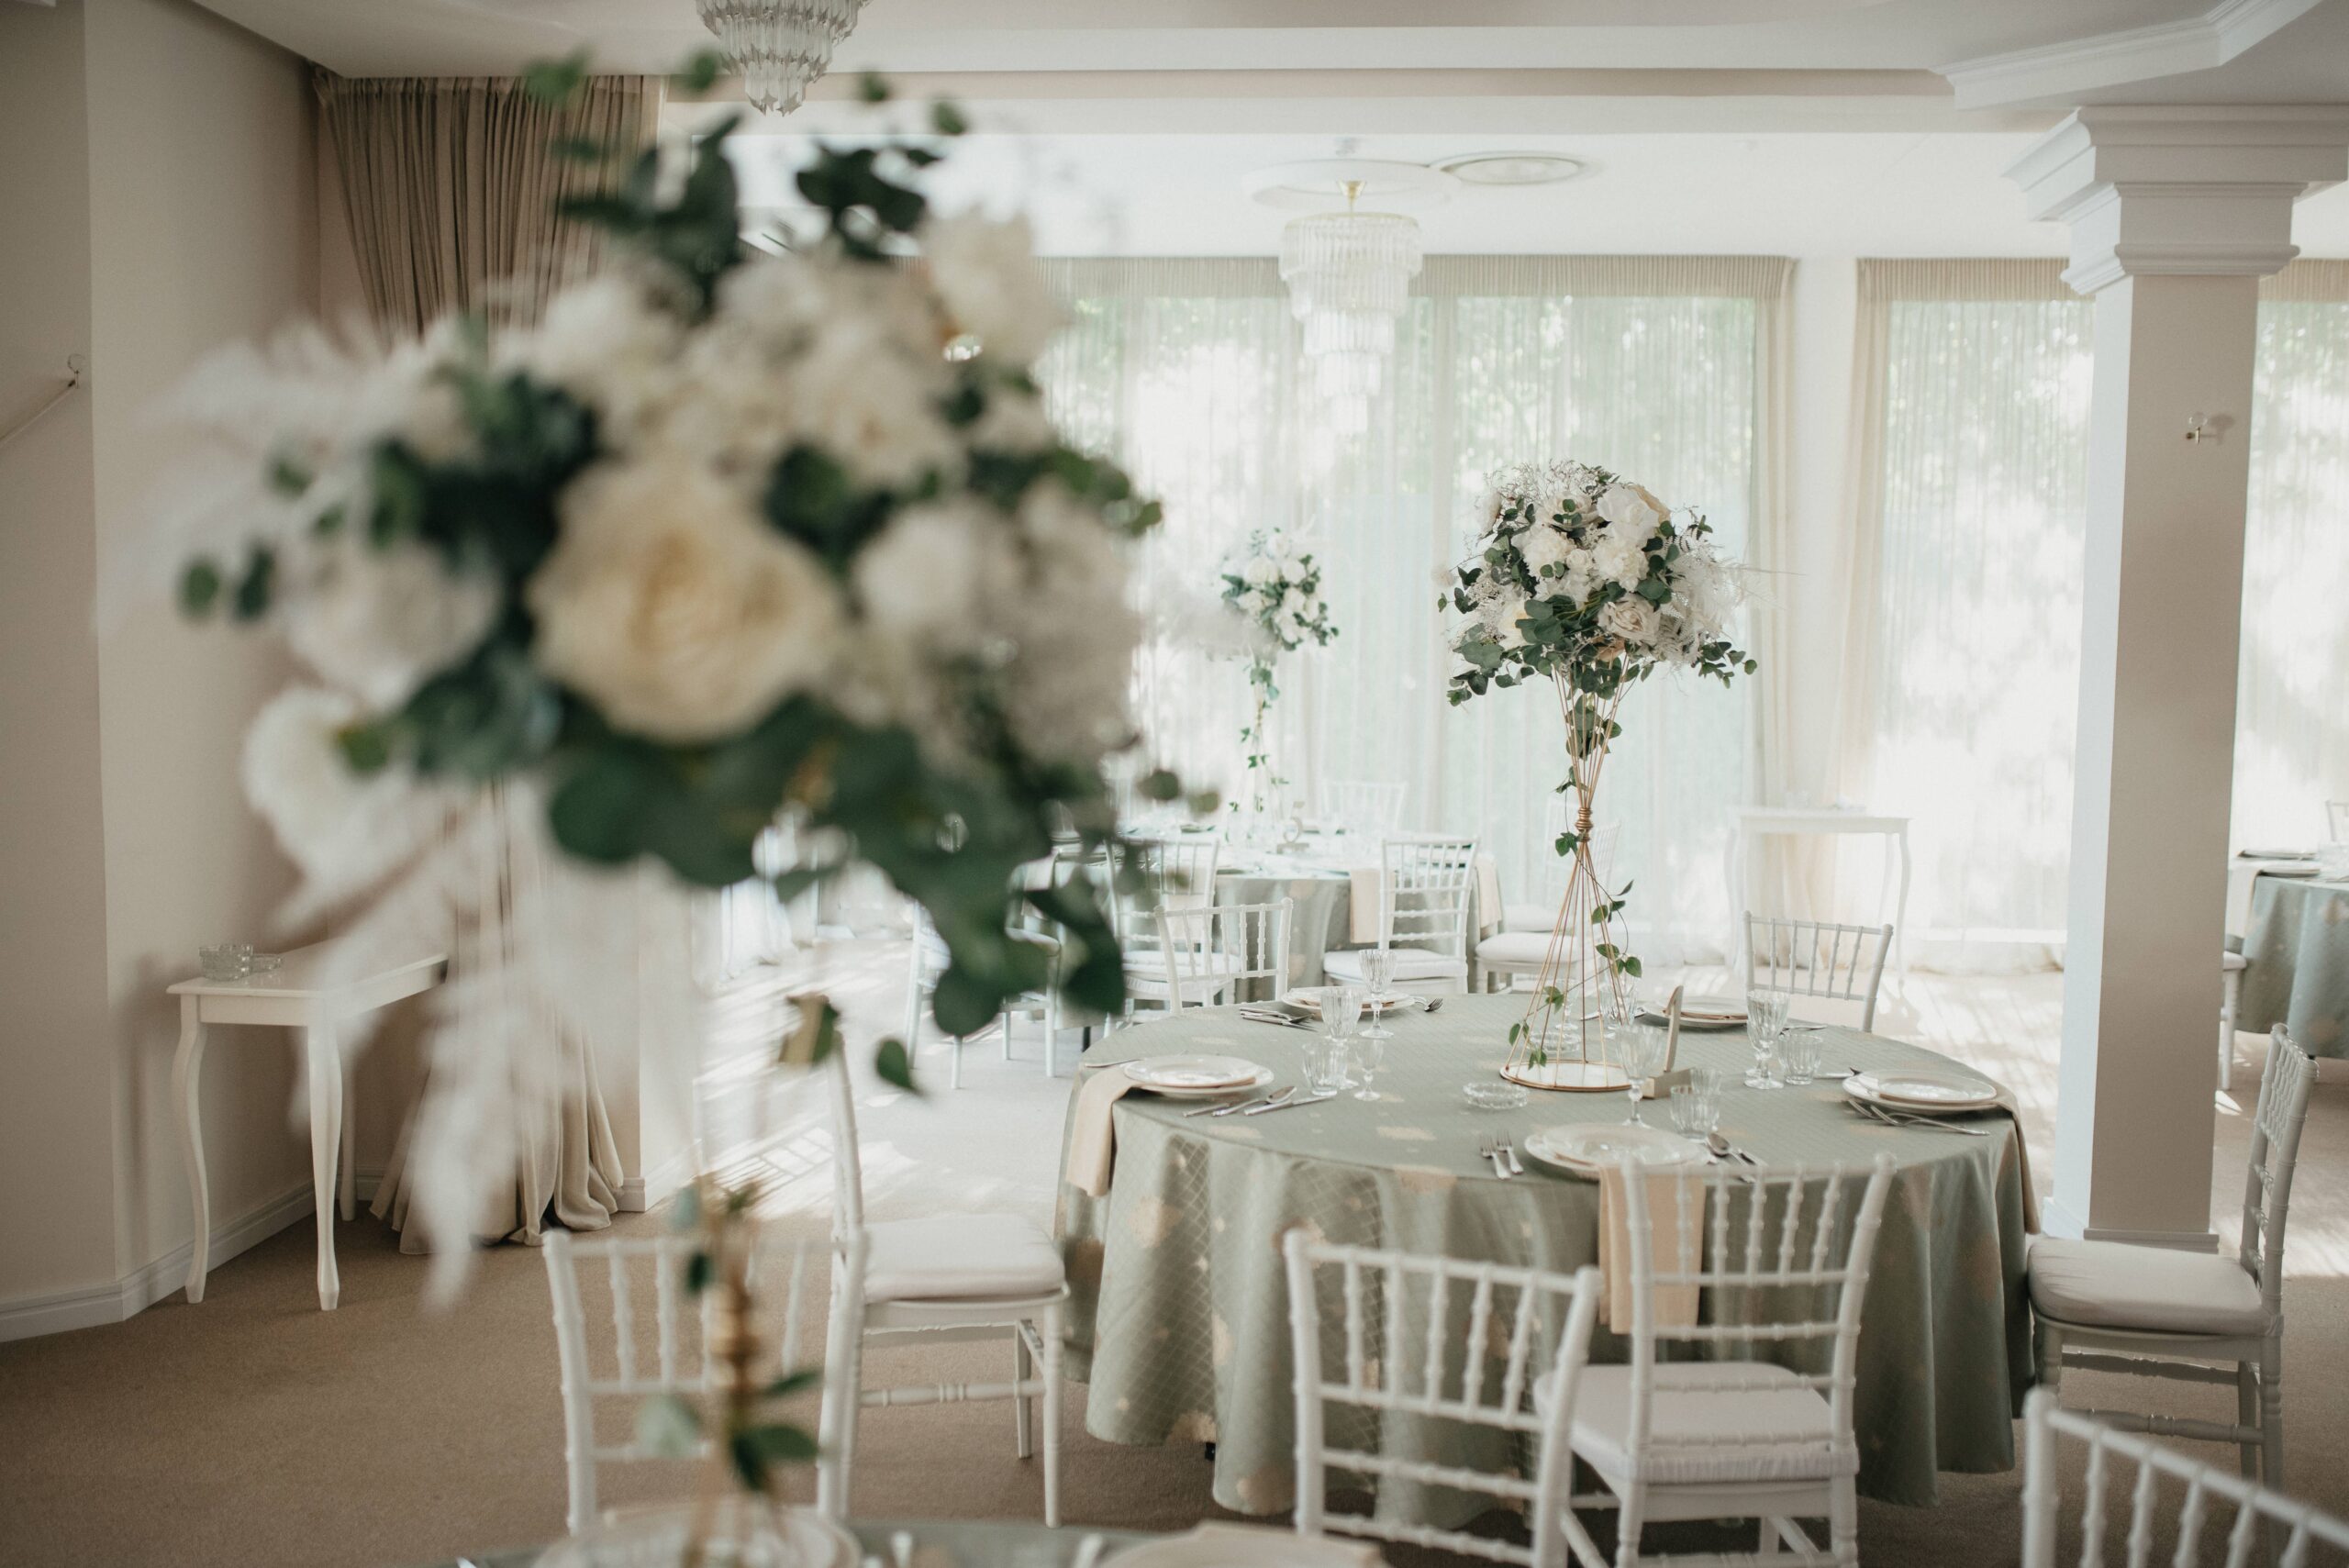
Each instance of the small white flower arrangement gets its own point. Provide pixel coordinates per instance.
(1276, 586)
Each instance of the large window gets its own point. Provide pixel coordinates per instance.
(1187, 370)
(1962, 690)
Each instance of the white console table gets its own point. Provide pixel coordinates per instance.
(291, 996)
(1755, 823)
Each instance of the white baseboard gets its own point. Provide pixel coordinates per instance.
(638, 1194)
(29, 1317)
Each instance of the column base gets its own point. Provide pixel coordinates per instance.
(2056, 1220)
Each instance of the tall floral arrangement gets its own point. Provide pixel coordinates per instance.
(728, 536)
(1276, 587)
(1586, 579)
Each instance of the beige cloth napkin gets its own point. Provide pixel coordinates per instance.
(1489, 894)
(1676, 1304)
(1092, 1136)
(2243, 876)
(1366, 921)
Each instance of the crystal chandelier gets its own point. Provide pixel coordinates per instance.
(1349, 275)
(780, 46)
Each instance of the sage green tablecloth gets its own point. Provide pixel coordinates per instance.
(1180, 1318)
(1323, 920)
(2297, 944)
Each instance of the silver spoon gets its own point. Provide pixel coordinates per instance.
(1722, 1148)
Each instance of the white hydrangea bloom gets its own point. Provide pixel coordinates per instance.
(873, 410)
(1544, 545)
(339, 827)
(606, 343)
(670, 604)
(986, 272)
(379, 622)
(1074, 633)
(934, 574)
(1620, 558)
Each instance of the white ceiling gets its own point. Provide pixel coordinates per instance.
(1773, 193)
(1780, 127)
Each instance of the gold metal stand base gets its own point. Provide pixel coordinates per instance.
(1571, 1077)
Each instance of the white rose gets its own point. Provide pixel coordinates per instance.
(1501, 616)
(986, 272)
(670, 604)
(1632, 619)
(873, 408)
(1632, 507)
(1294, 601)
(1288, 625)
(1619, 559)
(380, 622)
(1012, 421)
(1262, 572)
(931, 575)
(1544, 545)
(1255, 601)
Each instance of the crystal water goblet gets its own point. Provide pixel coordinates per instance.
(1765, 1025)
(1639, 1047)
(1378, 967)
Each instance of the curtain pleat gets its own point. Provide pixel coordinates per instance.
(1669, 369)
(451, 185)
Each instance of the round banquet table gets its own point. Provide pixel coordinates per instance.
(2297, 942)
(1179, 1322)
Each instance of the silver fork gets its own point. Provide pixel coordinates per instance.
(1489, 1149)
(1515, 1169)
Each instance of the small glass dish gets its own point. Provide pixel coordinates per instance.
(1495, 1094)
(229, 961)
(267, 963)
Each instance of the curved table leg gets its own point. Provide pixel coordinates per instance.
(186, 1063)
(324, 1063)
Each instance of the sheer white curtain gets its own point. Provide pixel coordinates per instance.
(2292, 704)
(1962, 693)
(1659, 367)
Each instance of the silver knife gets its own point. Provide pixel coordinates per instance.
(1266, 1102)
(1292, 1104)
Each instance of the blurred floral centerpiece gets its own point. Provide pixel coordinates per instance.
(1276, 587)
(726, 536)
(1586, 580)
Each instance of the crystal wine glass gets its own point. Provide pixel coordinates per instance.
(1640, 1048)
(1340, 1011)
(1765, 1025)
(1378, 967)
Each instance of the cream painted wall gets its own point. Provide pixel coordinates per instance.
(204, 224)
(159, 172)
(56, 1126)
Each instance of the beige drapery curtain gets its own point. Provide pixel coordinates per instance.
(1668, 367)
(450, 187)
(1966, 499)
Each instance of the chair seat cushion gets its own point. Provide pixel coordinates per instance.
(1411, 964)
(1538, 917)
(958, 1257)
(1784, 1429)
(2111, 1284)
(1515, 950)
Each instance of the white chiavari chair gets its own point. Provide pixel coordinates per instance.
(2232, 967)
(627, 1280)
(1361, 806)
(2158, 1312)
(1173, 873)
(1432, 1342)
(1429, 880)
(941, 1279)
(2292, 1527)
(1779, 1260)
(1817, 959)
(2336, 821)
(1225, 952)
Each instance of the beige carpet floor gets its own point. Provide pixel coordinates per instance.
(254, 1430)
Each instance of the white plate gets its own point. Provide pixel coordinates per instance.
(655, 1537)
(1303, 997)
(1192, 1077)
(1229, 1546)
(1923, 1088)
(2277, 855)
(2290, 868)
(1583, 1148)
(1703, 1013)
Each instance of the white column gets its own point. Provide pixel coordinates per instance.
(2176, 213)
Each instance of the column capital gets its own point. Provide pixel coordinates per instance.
(2182, 189)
